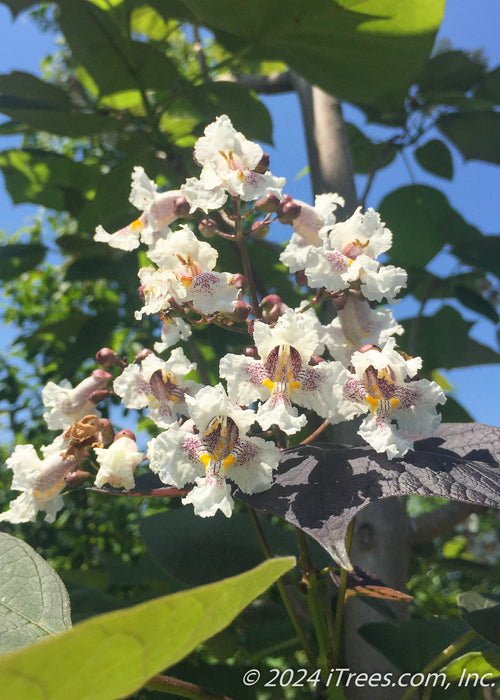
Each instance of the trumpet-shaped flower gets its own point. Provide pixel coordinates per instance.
(40, 481)
(173, 329)
(229, 166)
(220, 449)
(158, 211)
(68, 404)
(384, 384)
(348, 255)
(357, 324)
(283, 375)
(186, 274)
(158, 385)
(306, 229)
(117, 463)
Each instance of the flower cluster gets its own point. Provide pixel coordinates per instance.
(291, 369)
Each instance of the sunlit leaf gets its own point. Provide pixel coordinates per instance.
(33, 600)
(113, 655)
(483, 665)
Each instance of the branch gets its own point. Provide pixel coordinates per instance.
(436, 522)
(271, 84)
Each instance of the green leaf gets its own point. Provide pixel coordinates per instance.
(16, 258)
(18, 6)
(443, 341)
(489, 87)
(485, 665)
(411, 644)
(114, 654)
(115, 61)
(418, 216)
(29, 89)
(472, 300)
(482, 612)
(477, 250)
(148, 22)
(475, 134)
(50, 179)
(197, 550)
(435, 157)
(72, 124)
(340, 35)
(203, 103)
(33, 600)
(449, 71)
(368, 156)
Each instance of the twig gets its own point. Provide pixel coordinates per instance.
(183, 689)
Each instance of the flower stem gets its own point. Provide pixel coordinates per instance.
(247, 268)
(445, 655)
(301, 634)
(174, 686)
(341, 598)
(315, 603)
(315, 434)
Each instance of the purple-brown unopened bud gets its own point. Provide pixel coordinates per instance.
(301, 278)
(339, 300)
(240, 312)
(142, 354)
(106, 357)
(207, 228)
(315, 360)
(97, 396)
(263, 164)
(289, 210)
(250, 325)
(141, 291)
(268, 204)
(124, 433)
(77, 478)
(368, 346)
(107, 431)
(272, 308)
(239, 281)
(251, 351)
(181, 207)
(260, 229)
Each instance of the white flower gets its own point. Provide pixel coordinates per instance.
(283, 376)
(158, 385)
(186, 274)
(307, 227)
(229, 163)
(159, 210)
(357, 324)
(68, 404)
(117, 463)
(348, 254)
(221, 449)
(41, 482)
(385, 384)
(172, 331)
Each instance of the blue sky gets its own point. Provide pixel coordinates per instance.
(468, 25)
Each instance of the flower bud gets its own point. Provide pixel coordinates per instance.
(207, 228)
(268, 204)
(272, 308)
(240, 312)
(107, 358)
(263, 164)
(181, 207)
(98, 396)
(288, 211)
(368, 347)
(77, 478)
(251, 351)
(124, 433)
(260, 229)
(142, 354)
(315, 360)
(301, 278)
(239, 281)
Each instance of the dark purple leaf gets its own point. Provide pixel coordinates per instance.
(320, 488)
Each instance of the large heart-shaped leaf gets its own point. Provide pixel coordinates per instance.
(112, 655)
(320, 488)
(33, 600)
(346, 47)
(482, 612)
